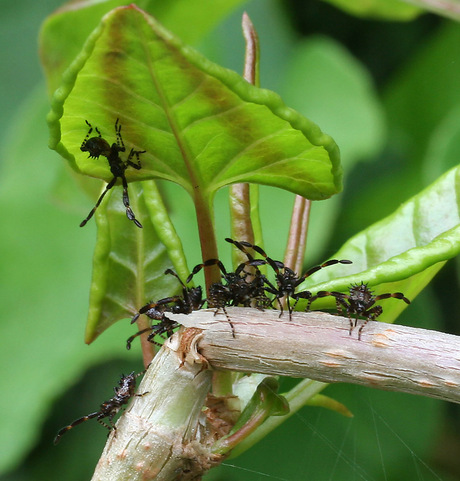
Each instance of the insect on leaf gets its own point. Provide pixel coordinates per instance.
(202, 126)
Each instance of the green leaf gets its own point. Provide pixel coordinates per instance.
(297, 397)
(64, 32)
(382, 9)
(129, 263)
(265, 398)
(320, 400)
(443, 151)
(401, 252)
(202, 126)
(417, 99)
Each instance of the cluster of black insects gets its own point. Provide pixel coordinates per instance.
(239, 288)
(250, 288)
(246, 286)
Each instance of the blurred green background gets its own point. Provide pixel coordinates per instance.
(386, 90)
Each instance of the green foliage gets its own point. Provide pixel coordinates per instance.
(443, 147)
(206, 129)
(350, 109)
(43, 349)
(264, 403)
(200, 124)
(322, 80)
(415, 100)
(383, 9)
(47, 257)
(129, 264)
(66, 30)
(404, 251)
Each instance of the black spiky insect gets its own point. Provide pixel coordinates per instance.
(108, 409)
(358, 303)
(190, 300)
(287, 280)
(239, 288)
(249, 287)
(219, 295)
(97, 146)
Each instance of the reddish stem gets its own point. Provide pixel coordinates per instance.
(297, 239)
(240, 202)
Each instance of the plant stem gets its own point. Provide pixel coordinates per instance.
(164, 435)
(204, 215)
(448, 8)
(148, 348)
(251, 61)
(297, 239)
(239, 194)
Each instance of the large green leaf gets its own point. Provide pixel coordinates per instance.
(401, 252)
(203, 130)
(202, 126)
(64, 32)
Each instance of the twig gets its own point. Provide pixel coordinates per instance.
(448, 8)
(239, 194)
(317, 345)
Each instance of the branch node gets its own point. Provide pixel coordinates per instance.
(186, 347)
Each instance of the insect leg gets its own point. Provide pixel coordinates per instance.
(129, 212)
(395, 295)
(131, 155)
(93, 210)
(372, 315)
(228, 319)
(130, 340)
(120, 142)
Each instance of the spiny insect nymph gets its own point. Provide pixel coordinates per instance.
(97, 146)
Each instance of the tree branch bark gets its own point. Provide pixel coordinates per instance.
(317, 345)
(166, 435)
(160, 436)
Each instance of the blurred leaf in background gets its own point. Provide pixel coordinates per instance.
(324, 81)
(381, 9)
